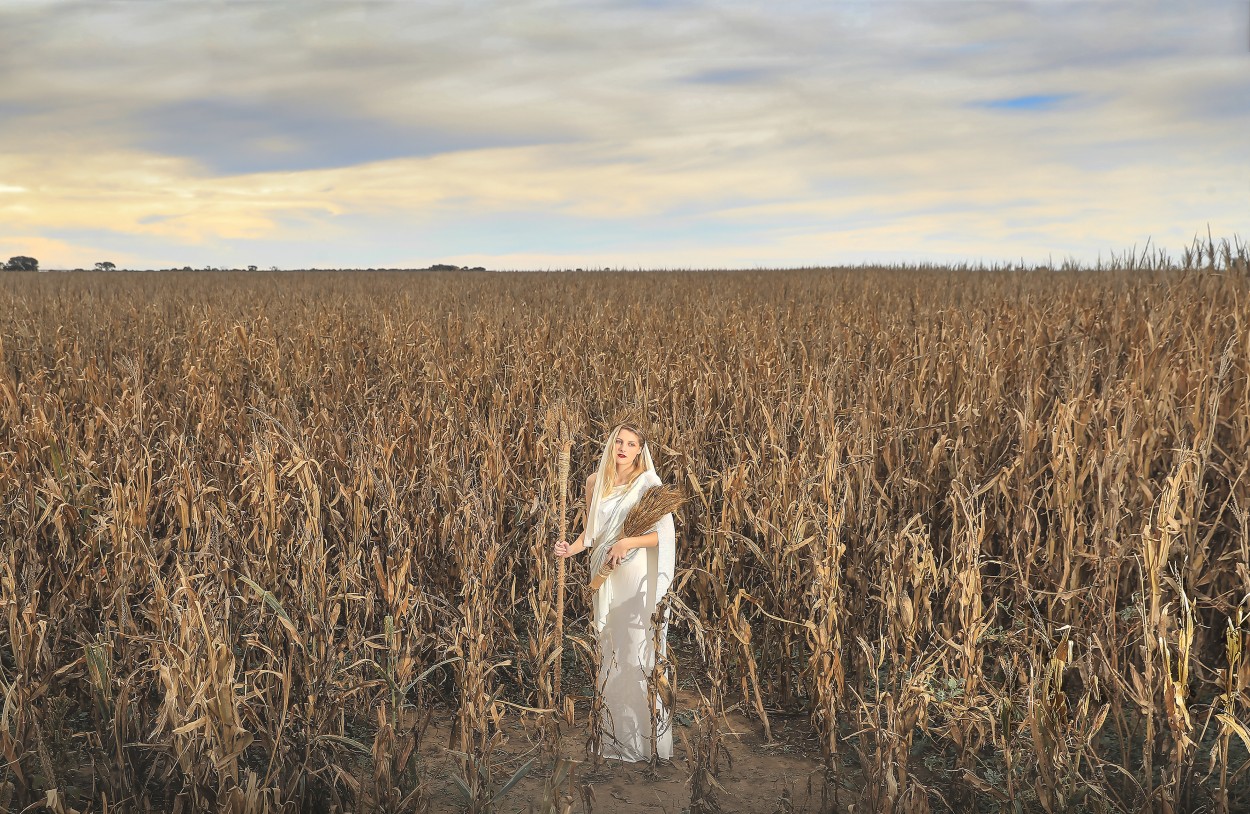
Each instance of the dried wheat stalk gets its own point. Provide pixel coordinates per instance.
(649, 510)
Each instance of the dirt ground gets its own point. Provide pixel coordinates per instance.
(782, 776)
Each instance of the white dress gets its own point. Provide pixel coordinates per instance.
(627, 650)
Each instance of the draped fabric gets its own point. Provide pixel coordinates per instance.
(622, 612)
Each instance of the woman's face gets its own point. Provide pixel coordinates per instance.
(627, 448)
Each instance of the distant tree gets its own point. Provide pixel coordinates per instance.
(105, 266)
(444, 267)
(251, 268)
(21, 263)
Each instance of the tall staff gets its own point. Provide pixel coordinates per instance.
(566, 448)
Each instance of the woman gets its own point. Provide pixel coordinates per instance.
(624, 604)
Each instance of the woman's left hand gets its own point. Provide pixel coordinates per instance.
(618, 551)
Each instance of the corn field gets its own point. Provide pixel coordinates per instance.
(988, 532)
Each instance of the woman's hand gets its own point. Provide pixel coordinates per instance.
(618, 551)
(563, 549)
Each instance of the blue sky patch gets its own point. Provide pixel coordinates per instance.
(1035, 101)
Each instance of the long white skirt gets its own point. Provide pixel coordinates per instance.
(627, 650)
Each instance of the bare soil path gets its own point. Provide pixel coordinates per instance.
(756, 776)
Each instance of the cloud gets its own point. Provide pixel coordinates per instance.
(744, 75)
(231, 137)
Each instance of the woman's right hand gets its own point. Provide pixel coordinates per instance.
(563, 549)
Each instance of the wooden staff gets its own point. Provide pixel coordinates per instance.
(566, 448)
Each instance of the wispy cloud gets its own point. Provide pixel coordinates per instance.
(743, 75)
(234, 137)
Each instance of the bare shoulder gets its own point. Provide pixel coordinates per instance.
(590, 479)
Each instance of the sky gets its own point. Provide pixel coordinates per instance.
(530, 134)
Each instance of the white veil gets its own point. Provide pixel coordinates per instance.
(661, 558)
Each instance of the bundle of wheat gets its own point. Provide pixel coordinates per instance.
(653, 505)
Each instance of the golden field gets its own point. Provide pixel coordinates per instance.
(282, 541)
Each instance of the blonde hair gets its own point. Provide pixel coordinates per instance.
(605, 484)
